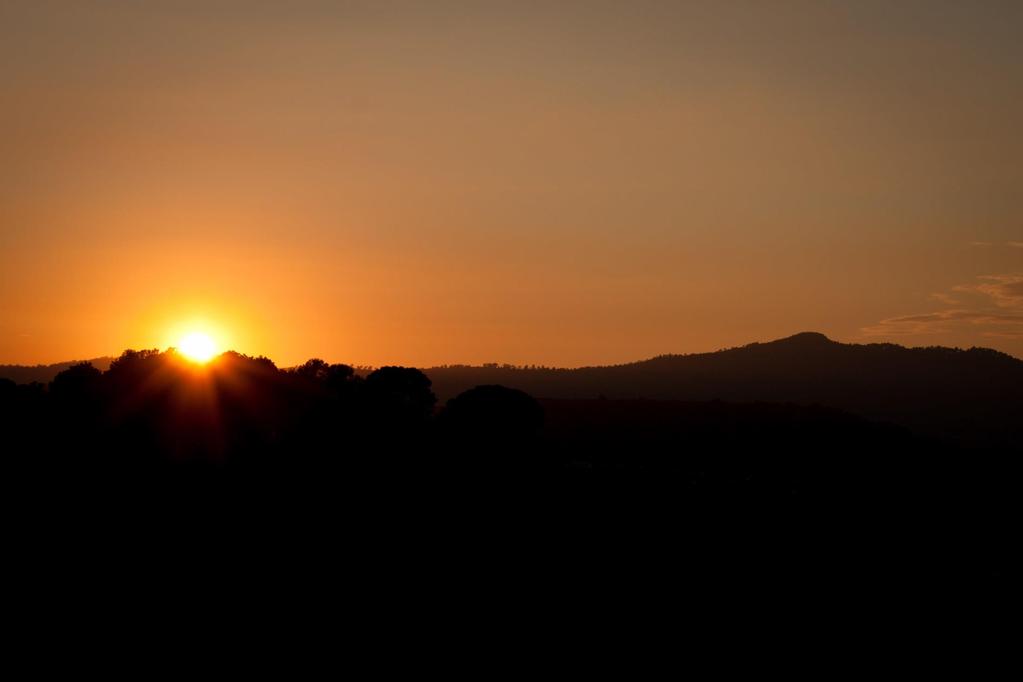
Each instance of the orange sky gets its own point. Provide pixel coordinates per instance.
(426, 183)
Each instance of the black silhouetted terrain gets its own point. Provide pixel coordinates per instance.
(44, 374)
(758, 463)
(974, 396)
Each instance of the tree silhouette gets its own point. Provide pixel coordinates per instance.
(79, 385)
(497, 414)
(399, 397)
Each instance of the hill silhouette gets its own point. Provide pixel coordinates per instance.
(44, 374)
(241, 446)
(974, 396)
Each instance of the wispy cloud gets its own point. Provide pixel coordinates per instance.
(1016, 245)
(1005, 291)
(947, 299)
(945, 321)
(992, 306)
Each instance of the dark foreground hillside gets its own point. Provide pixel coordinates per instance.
(325, 460)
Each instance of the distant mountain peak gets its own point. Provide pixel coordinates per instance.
(806, 339)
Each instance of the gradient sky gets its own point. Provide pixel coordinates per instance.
(439, 182)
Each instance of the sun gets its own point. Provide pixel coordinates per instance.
(197, 347)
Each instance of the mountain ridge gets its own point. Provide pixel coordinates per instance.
(970, 394)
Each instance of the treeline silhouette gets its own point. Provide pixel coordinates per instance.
(159, 410)
(158, 437)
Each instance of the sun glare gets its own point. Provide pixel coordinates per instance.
(197, 347)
